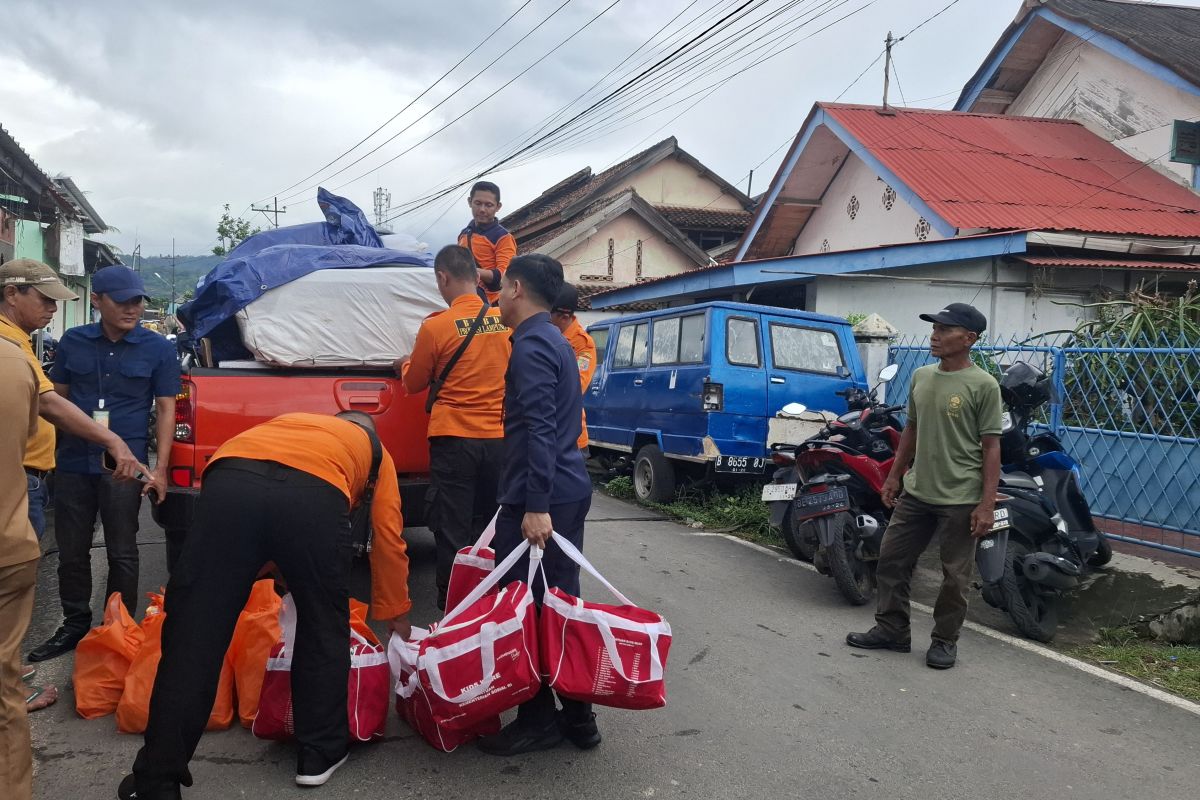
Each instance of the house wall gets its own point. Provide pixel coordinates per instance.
(1032, 305)
(831, 228)
(674, 183)
(1116, 101)
(29, 240)
(590, 257)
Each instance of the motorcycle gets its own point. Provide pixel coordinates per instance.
(825, 497)
(1052, 541)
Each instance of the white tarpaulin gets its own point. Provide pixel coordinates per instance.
(341, 317)
(70, 247)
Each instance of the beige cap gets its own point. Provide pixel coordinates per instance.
(27, 272)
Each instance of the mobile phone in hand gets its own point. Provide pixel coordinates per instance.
(110, 464)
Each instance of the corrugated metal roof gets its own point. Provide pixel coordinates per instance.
(1107, 263)
(1004, 173)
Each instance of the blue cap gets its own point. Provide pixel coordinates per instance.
(119, 282)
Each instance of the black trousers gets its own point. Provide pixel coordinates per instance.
(243, 520)
(464, 477)
(77, 500)
(561, 573)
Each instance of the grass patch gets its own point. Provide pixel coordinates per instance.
(1175, 668)
(741, 513)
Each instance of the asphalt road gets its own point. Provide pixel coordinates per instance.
(765, 702)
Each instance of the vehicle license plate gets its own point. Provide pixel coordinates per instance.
(835, 498)
(741, 464)
(1001, 520)
(778, 491)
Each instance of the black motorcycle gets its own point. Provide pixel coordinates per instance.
(1052, 540)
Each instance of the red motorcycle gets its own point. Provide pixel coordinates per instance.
(835, 515)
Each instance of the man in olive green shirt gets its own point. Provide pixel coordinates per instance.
(952, 442)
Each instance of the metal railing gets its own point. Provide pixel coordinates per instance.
(1127, 411)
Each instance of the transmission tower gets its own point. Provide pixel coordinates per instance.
(383, 205)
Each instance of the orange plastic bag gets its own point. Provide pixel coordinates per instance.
(358, 620)
(133, 711)
(102, 660)
(256, 633)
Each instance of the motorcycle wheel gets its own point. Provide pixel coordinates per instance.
(794, 537)
(1103, 553)
(854, 578)
(1035, 614)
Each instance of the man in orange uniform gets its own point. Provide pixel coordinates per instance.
(489, 242)
(563, 317)
(466, 426)
(280, 492)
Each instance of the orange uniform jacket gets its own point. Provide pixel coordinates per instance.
(471, 403)
(493, 248)
(585, 356)
(339, 452)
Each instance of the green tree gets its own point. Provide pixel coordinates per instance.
(231, 231)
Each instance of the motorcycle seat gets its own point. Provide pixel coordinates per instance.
(1019, 480)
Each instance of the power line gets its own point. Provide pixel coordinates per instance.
(441, 102)
(412, 102)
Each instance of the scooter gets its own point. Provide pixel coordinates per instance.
(1053, 539)
(826, 495)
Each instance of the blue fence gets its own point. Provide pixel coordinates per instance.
(1128, 412)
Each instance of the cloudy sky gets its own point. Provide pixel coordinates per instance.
(164, 110)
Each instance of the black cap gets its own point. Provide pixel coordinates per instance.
(961, 315)
(567, 300)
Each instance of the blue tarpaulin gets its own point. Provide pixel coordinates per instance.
(345, 223)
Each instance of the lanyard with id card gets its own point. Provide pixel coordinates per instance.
(100, 415)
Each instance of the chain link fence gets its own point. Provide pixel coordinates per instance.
(1127, 410)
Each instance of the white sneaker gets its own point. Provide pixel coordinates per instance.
(304, 777)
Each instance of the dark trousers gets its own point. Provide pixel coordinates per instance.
(561, 573)
(77, 499)
(913, 525)
(243, 520)
(464, 475)
(39, 495)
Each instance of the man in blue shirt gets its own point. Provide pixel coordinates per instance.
(544, 485)
(114, 371)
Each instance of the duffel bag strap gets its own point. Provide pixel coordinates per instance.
(485, 538)
(573, 553)
(487, 583)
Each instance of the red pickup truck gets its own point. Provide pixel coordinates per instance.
(216, 404)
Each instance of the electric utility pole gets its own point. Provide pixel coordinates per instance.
(276, 211)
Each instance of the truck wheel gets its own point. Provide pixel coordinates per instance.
(653, 476)
(797, 536)
(1103, 553)
(1034, 613)
(852, 576)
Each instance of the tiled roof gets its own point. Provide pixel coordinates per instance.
(684, 217)
(571, 189)
(1164, 33)
(1013, 173)
(1110, 263)
(588, 292)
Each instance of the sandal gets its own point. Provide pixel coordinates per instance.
(40, 697)
(28, 671)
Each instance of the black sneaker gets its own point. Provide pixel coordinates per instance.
(876, 639)
(128, 790)
(314, 769)
(63, 641)
(584, 734)
(941, 655)
(515, 738)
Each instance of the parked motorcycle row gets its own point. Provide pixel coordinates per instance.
(825, 499)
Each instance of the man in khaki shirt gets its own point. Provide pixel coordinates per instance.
(19, 554)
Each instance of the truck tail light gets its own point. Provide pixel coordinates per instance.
(185, 413)
(714, 396)
(181, 476)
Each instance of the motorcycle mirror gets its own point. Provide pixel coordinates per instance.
(888, 373)
(793, 410)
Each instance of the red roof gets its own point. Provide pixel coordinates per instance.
(1014, 173)
(1110, 263)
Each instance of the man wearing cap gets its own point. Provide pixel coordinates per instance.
(563, 317)
(951, 451)
(113, 371)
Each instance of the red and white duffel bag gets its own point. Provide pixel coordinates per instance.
(368, 688)
(472, 566)
(482, 658)
(412, 704)
(604, 654)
